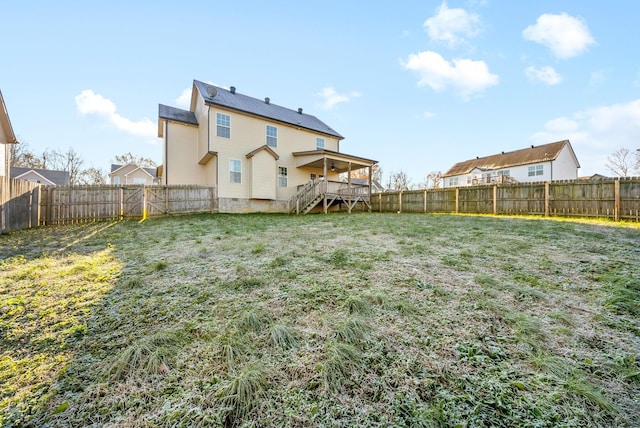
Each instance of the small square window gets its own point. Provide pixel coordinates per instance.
(319, 143)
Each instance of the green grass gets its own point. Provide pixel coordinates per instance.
(321, 320)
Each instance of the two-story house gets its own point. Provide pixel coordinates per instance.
(133, 174)
(7, 137)
(547, 162)
(260, 156)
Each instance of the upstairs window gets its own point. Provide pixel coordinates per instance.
(235, 171)
(116, 180)
(320, 143)
(223, 125)
(138, 180)
(272, 136)
(282, 176)
(536, 170)
(453, 182)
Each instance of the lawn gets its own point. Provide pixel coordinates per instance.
(321, 320)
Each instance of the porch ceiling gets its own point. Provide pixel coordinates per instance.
(337, 162)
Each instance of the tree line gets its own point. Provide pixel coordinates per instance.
(70, 161)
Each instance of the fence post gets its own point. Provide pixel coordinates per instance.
(495, 199)
(399, 202)
(546, 198)
(425, 201)
(144, 202)
(616, 199)
(457, 200)
(121, 201)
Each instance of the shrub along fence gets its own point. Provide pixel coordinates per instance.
(617, 199)
(47, 205)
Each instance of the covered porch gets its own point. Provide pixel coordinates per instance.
(327, 192)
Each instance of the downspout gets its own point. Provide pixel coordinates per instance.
(551, 168)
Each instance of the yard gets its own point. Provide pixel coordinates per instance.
(321, 320)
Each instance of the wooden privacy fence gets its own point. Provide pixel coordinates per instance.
(18, 204)
(75, 204)
(37, 205)
(617, 199)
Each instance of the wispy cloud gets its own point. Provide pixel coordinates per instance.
(596, 133)
(546, 75)
(184, 100)
(453, 26)
(467, 77)
(565, 35)
(88, 102)
(331, 98)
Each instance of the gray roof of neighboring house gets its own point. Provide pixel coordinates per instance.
(151, 171)
(177, 114)
(216, 95)
(56, 177)
(533, 154)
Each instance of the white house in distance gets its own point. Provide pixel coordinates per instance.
(260, 156)
(547, 162)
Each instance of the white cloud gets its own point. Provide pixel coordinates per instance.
(184, 100)
(565, 35)
(596, 133)
(546, 75)
(331, 98)
(453, 26)
(467, 77)
(427, 115)
(88, 102)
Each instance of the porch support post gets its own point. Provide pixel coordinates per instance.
(324, 190)
(349, 187)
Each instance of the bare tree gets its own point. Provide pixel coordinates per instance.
(69, 161)
(376, 173)
(128, 158)
(91, 176)
(398, 181)
(620, 162)
(21, 156)
(433, 179)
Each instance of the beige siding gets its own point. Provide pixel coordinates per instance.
(181, 160)
(249, 133)
(263, 173)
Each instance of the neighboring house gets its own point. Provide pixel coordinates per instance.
(133, 174)
(42, 176)
(259, 155)
(7, 137)
(548, 162)
(376, 187)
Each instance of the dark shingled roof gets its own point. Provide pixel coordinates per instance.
(57, 177)
(533, 154)
(177, 114)
(215, 95)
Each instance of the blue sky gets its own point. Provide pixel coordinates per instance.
(416, 85)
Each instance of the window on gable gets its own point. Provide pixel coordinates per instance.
(272, 136)
(282, 176)
(139, 180)
(235, 171)
(116, 180)
(223, 125)
(319, 143)
(536, 170)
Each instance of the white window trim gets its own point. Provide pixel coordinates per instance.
(232, 171)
